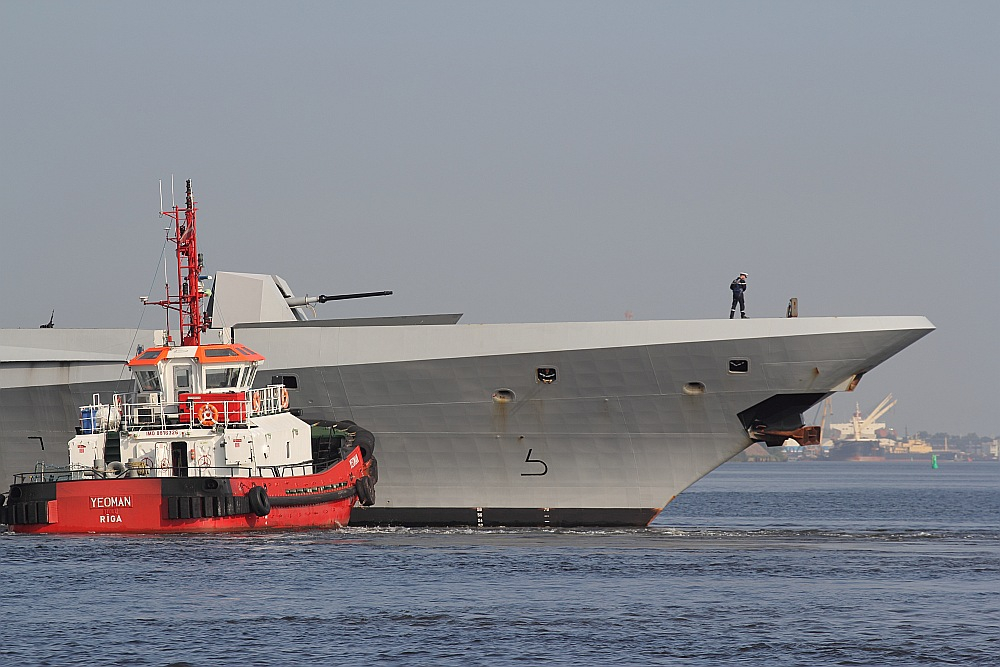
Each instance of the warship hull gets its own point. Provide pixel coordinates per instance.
(587, 423)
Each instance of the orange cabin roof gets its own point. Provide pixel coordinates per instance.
(205, 354)
(216, 354)
(150, 357)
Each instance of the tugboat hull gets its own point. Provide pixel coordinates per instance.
(186, 504)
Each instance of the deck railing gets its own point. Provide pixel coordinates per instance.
(199, 410)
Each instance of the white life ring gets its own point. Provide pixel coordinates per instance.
(284, 398)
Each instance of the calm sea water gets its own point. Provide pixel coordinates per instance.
(757, 564)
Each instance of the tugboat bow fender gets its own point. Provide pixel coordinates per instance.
(361, 437)
(366, 491)
(358, 436)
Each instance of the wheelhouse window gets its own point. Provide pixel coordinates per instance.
(149, 380)
(220, 352)
(221, 378)
(182, 378)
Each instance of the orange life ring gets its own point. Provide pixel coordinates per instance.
(284, 398)
(255, 401)
(208, 414)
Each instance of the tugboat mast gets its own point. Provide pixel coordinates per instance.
(189, 267)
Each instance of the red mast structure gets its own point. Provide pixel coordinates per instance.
(189, 267)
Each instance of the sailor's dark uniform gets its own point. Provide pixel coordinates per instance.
(739, 286)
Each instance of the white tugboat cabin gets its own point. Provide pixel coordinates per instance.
(195, 413)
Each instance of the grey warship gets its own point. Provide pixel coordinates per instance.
(563, 423)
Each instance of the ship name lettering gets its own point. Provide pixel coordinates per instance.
(111, 518)
(110, 501)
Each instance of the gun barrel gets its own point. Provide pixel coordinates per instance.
(298, 302)
(323, 298)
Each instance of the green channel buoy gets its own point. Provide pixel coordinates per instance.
(934, 464)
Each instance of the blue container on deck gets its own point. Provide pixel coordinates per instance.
(88, 420)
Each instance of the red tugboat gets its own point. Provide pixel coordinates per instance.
(196, 448)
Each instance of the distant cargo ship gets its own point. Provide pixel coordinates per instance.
(857, 440)
(856, 451)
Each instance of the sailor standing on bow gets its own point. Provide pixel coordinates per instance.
(738, 286)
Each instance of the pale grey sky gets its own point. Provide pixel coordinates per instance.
(524, 161)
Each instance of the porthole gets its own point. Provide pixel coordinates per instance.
(546, 375)
(503, 396)
(694, 388)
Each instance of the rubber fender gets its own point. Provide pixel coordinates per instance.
(365, 439)
(365, 491)
(373, 470)
(362, 437)
(260, 504)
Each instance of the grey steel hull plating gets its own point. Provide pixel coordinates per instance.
(611, 441)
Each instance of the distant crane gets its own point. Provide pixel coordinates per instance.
(827, 412)
(51, 323)
(863, 428)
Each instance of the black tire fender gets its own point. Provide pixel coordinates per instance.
(260, 504)
(365, 491)
(365, 439)
(373, 470)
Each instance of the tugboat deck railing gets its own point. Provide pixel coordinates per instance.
(205, 410)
